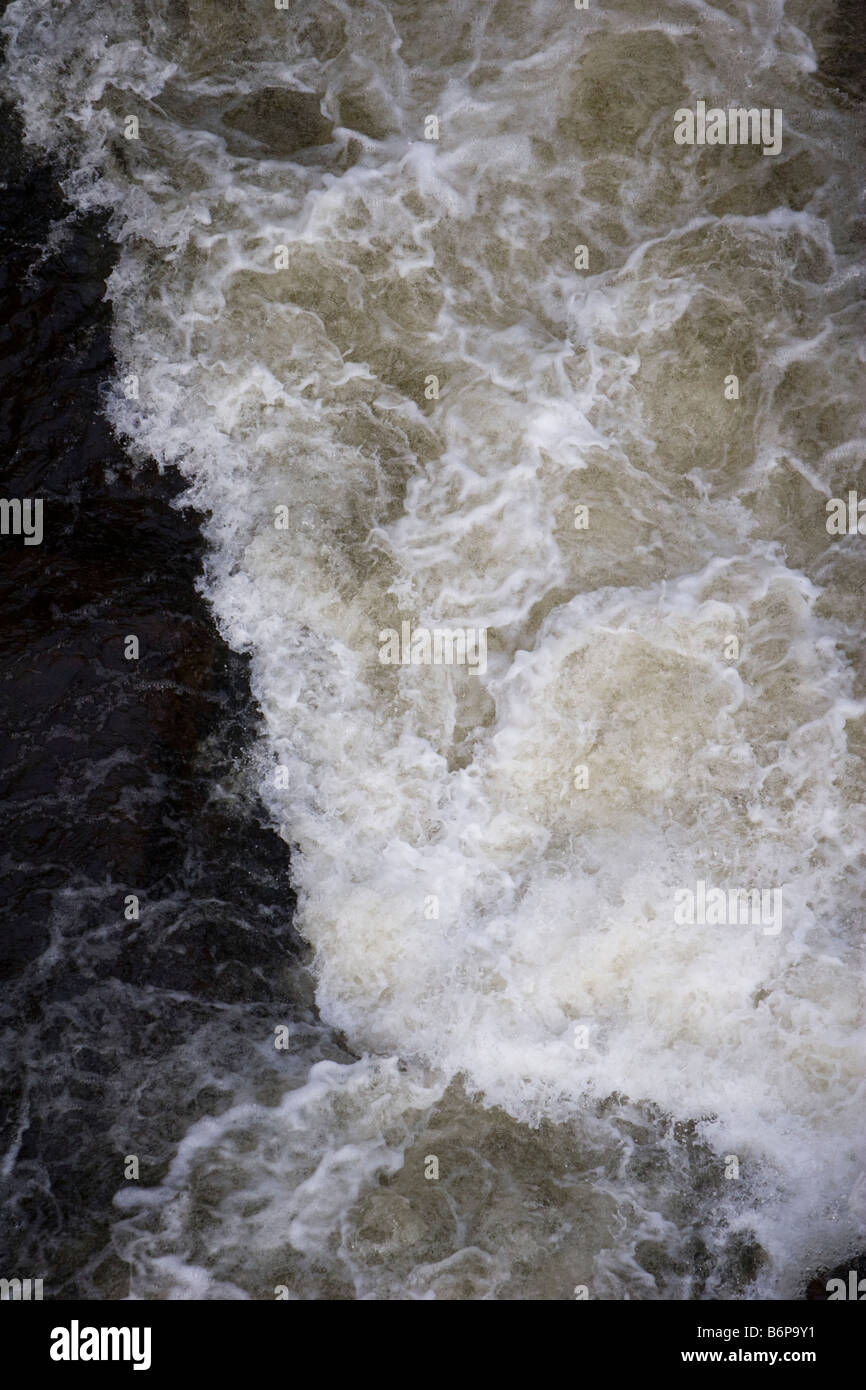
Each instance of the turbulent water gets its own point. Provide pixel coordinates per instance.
(487, 860)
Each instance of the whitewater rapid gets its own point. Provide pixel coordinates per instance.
(487, 862)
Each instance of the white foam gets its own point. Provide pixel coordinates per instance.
(305, 387)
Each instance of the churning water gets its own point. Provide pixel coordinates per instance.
(320, 209)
